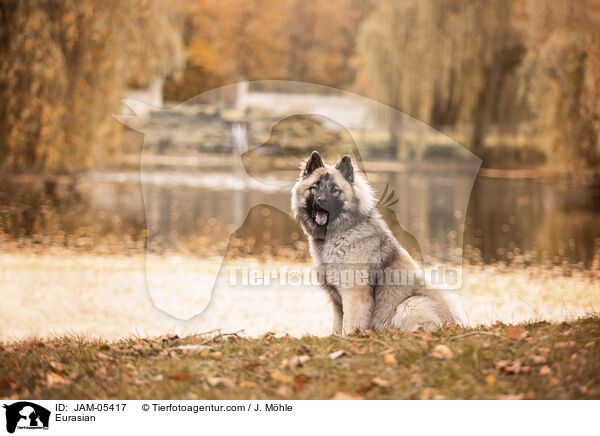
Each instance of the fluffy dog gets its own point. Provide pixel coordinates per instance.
(372, 281)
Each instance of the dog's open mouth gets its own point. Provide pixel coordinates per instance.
(321, 216)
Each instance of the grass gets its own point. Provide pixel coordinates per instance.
(532, 361)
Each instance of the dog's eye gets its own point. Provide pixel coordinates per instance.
(313, 187)
(336, 190)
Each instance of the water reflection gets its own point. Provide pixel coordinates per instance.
(517, 221)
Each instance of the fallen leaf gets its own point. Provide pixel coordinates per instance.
(283, 390)
(247, 384)
(179, 376)
(53, 378)
(345, 396)
(569, 344)
(512, 397)
(101, 372)
(56, 366)
(389, 359)
(303, 349)
(416, 380)
(299, 381)
(9, 382)
(441, 352)
(538, 359)
(590, 344)
(490, 379)
(501, 364)
(424, 345)
(280, 377)
(337, 354)
(296, 361)
(545, 370)
(376, 381)
(513, 367)
(517, 333)
(220, 381)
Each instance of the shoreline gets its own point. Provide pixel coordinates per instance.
(131, 163)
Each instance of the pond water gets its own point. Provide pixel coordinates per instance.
(520, 221)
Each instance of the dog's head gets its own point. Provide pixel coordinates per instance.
(330, 197)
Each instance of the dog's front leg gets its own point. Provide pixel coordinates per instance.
(357, 306)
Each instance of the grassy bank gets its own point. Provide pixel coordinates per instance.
(541, 361)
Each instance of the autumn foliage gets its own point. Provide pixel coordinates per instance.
(63, 66)
(230, 40)
(501, 68)
(501, 77)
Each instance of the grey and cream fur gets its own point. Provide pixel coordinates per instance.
(348, 238)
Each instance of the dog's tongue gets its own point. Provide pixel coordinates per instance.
(321, 218)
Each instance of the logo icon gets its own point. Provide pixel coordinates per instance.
(26, 415)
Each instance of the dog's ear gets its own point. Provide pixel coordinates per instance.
(344, 166)
(314, 162)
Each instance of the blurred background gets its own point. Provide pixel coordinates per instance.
(516, 82)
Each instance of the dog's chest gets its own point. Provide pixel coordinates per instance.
(346, 249)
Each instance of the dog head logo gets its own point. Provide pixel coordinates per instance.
(254, 135)
(26, 415)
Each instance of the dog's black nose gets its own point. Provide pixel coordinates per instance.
(321, 201)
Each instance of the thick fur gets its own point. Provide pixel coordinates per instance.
(336, 208)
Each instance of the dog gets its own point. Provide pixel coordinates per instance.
(373, 283)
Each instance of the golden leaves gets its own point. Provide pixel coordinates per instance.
(568, 344)
(337, 354)
(389, 359)
(441, 352)
(346, 396)
(8, 381)
(65, 77)
(280, 377)
(294, 362)
(179, 376)
(53, 377)
(517, 333)
(514, 367)
(299, 381)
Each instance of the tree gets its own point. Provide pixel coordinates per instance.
(63, 65)
(442, 61)
(561, 78)
(229, 40)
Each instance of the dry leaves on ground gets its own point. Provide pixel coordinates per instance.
(441, 352)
